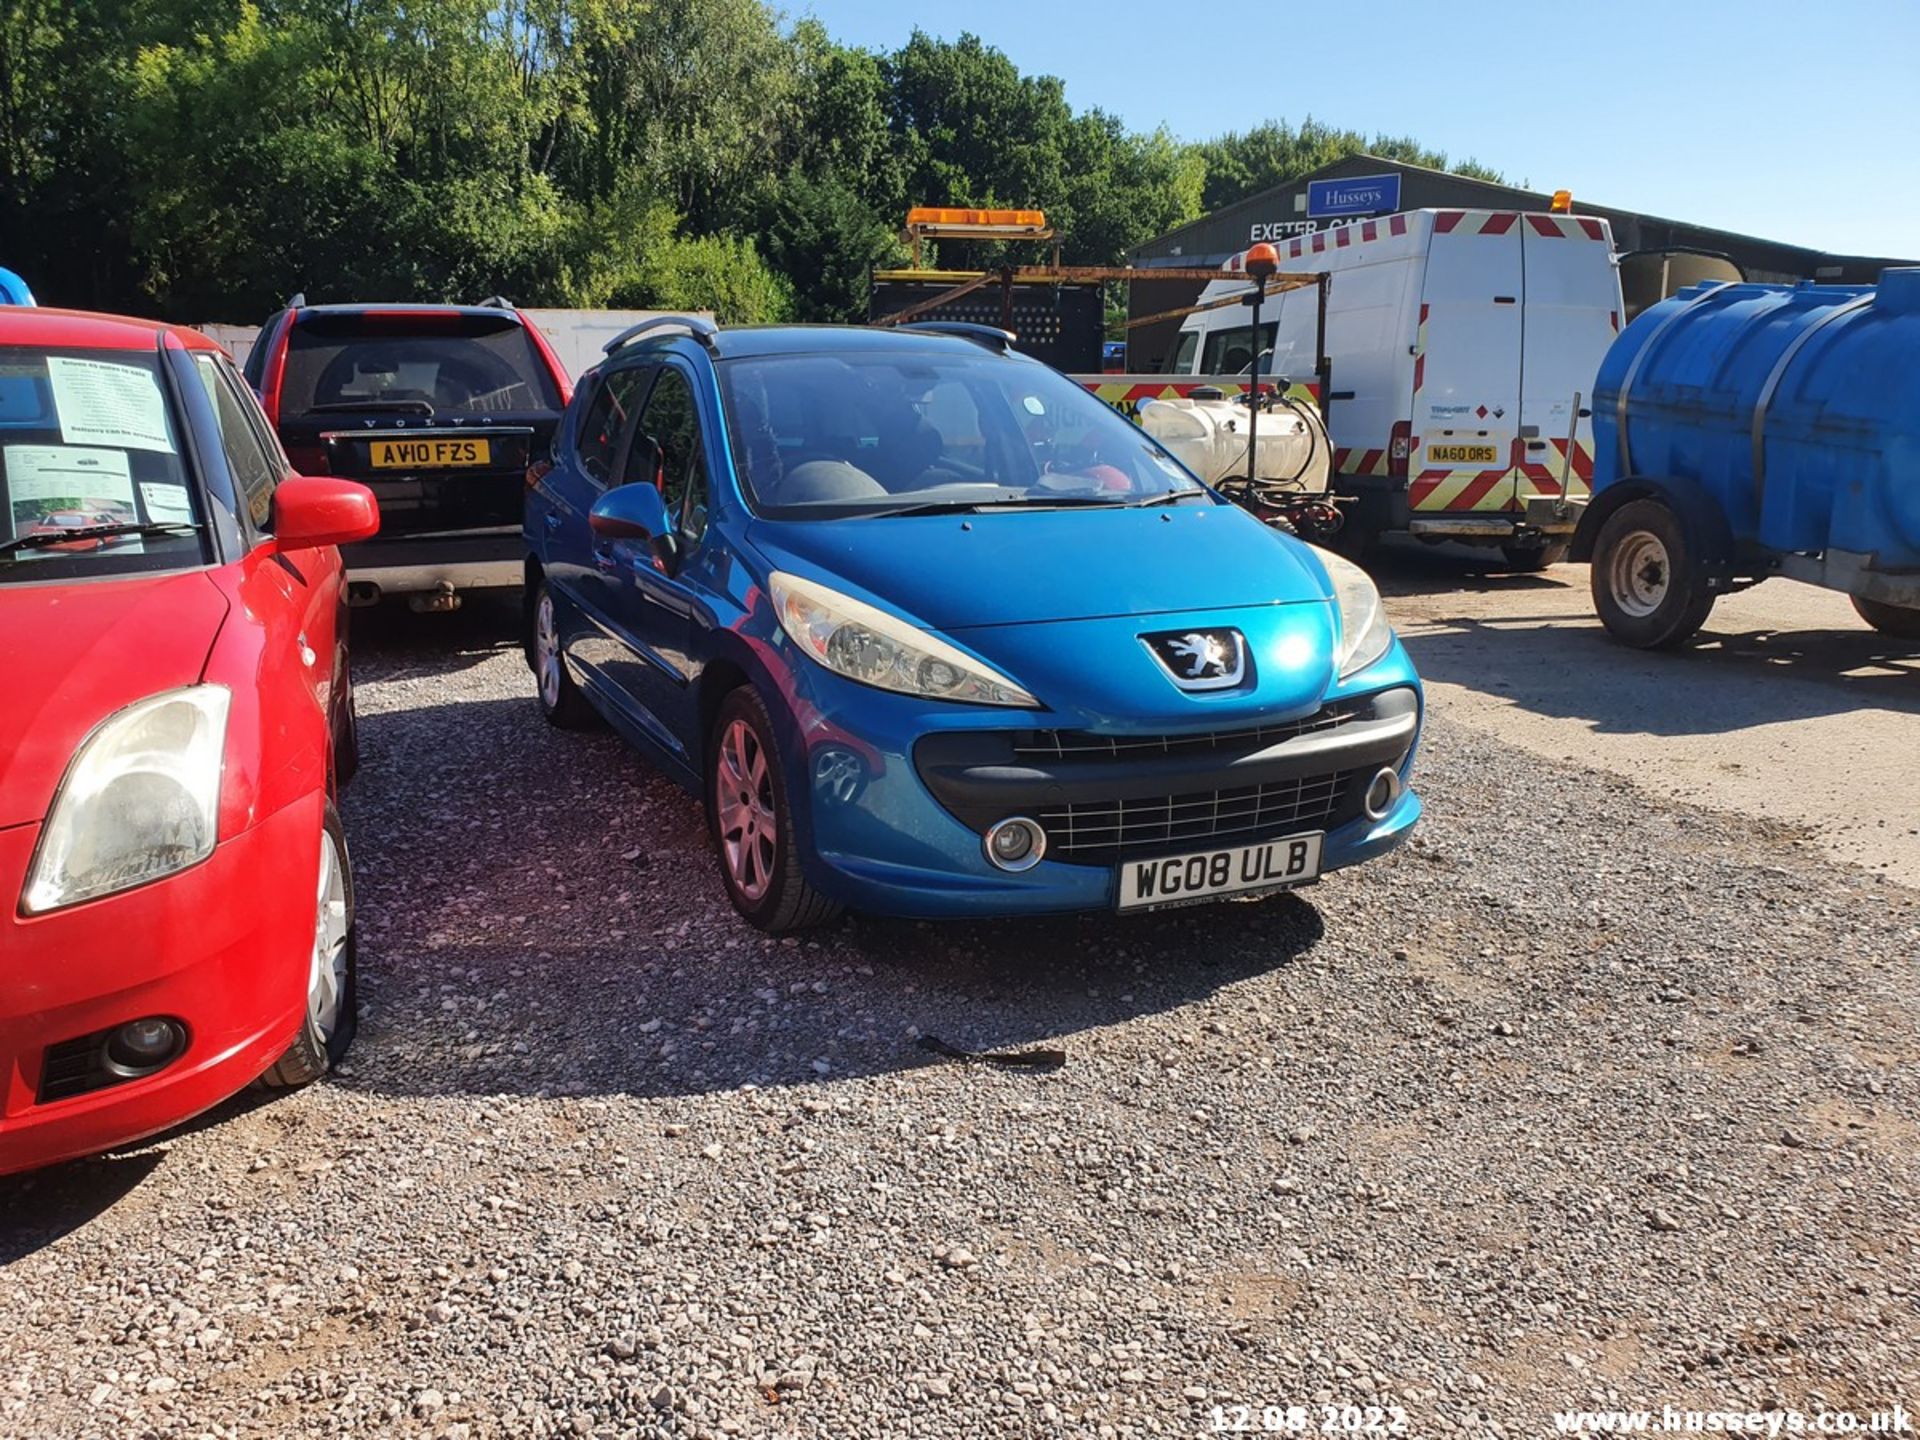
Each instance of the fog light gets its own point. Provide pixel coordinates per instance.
(141, 1047)
(1383, 792)
(1015, 844)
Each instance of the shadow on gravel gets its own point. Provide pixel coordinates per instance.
(38, 1208)
(1415, 569)
(1727, 680)
(391, 642)
(541, 914)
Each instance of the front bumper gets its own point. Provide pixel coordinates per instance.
(890, 830)
(223, 948)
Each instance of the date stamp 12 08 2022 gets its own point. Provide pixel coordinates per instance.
(1307, 1420)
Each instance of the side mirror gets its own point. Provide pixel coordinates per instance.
(637, 514)
(310, 511)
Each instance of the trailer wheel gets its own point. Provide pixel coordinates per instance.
(1648, 587)
(1900, 621)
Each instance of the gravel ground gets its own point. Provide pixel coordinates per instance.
(1584, 1094)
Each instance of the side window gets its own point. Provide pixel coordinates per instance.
(673, 425)
(256, 365)
(606, 416)
(256, 470)
(1182, 363)
(1229, 352)
(693, 513)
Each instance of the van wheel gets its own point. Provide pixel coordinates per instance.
(1531, 559)
(749, 811)
(560, 699)
(1900, 621)
(1647, 586)
(333, 1006)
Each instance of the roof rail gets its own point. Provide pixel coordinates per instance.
(700, 329)
(990, 335)
(496, 302)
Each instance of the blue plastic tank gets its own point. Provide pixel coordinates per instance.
(1795, 407)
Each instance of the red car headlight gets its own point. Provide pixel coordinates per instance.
(141, 800)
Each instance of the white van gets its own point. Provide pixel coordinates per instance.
(1457, 341)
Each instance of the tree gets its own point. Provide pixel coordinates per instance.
(1243, 163)
(205, 158)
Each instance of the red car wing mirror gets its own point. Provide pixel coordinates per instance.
(310, 511)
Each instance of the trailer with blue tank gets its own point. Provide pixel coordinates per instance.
(1743, 431)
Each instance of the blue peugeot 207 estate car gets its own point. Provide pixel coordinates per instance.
(937, 633)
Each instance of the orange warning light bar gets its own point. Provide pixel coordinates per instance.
(954, 217)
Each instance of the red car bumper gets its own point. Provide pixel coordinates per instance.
(222, 948)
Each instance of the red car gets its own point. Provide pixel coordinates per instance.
(176, 911)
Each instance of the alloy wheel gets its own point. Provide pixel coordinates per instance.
(327, 973)
(749, 821)
(546, 651)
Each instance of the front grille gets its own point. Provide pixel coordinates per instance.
(1106, 831)
(1085, 745)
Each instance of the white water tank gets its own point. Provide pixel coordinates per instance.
(1209, 437)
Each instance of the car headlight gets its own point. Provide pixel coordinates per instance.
(140, 800)
(1364, 631)
(856, 640)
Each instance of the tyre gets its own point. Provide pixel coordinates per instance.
(751, 815)
(1900, 621)
(333, 1006)
(1648, 587)
(1530, 559)
(560, 699)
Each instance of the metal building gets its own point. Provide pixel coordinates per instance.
(1658, 256)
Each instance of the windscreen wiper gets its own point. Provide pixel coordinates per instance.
(44, 539)
(408, 407)
(1012, 502)
(926, 507)
(1166, 497)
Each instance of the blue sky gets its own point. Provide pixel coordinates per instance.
(1797, 122)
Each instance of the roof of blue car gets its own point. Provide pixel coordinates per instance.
(752, 340)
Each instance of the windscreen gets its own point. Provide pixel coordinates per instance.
(894, 430)
(418, 362)
(90, 467)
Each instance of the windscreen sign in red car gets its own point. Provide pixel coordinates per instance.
(176, 909)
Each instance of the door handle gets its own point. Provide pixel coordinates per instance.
(553, 521)
(1536, 444)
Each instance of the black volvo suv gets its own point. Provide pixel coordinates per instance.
(439, 409)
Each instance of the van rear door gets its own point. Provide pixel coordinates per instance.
(1572, 313)
(1466, 368)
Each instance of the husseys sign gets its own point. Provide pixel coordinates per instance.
(1357, 195)
(1332, 202)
